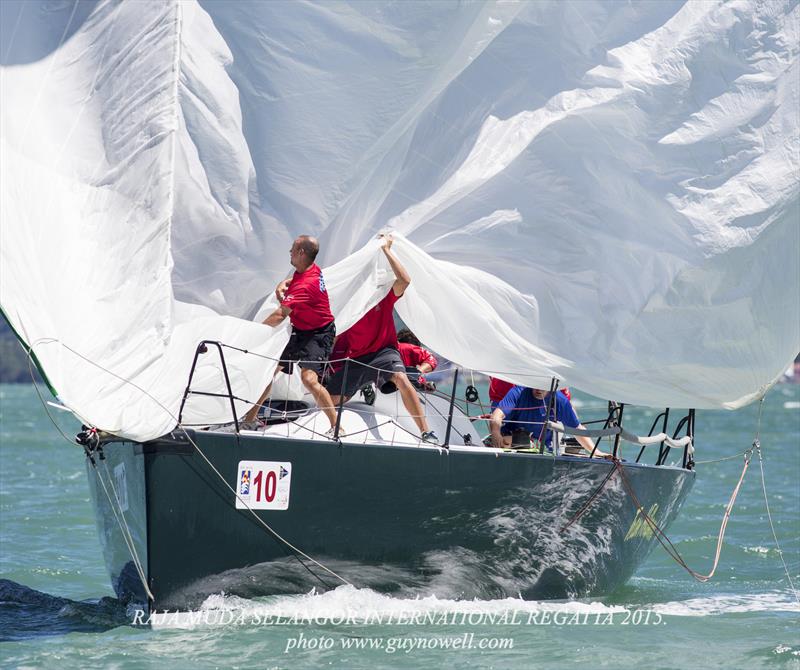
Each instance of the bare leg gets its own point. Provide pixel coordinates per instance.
(252, 414)
(320, 393)
(410, 400)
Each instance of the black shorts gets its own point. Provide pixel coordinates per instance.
(362, 371)
(310, 349)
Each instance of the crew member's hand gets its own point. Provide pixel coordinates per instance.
(387, 242)
(280, 291)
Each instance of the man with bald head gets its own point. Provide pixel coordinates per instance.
(304, 299)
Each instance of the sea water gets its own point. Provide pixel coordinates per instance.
(57, 607)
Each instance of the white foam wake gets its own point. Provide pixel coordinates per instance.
(347, 605)
(350, 605)
(775, 601)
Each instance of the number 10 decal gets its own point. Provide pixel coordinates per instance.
(263, 485)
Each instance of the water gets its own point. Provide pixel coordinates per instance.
(57, 607)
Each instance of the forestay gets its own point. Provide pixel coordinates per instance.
(602, 191)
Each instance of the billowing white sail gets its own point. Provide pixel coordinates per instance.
(606, 192)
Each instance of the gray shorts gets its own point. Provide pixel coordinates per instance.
(377, 367)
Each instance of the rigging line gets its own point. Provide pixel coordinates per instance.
(527, 375)
(131, 550)
(472, 382)
(669, 547)
(42, 401)
(441, 416)
(126, 531)
(757, 447)
(130, 544)
(719, 460)
(263, 523)
(586, 505)
(211, 465)
(772, 527)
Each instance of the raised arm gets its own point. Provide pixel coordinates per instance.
(402, 278)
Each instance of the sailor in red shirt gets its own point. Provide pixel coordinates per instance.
(497, 390)
(304, 299)
(372, 345)
(418, 360)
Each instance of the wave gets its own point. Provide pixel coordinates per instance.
(365, 606)
(353, 606)
(775, 601)
(26, 613)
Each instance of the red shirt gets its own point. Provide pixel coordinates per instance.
(373, 332)
(498, 389)
(308, 299)
(413, 355)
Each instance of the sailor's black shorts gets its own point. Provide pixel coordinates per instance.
(377, 367)
(310, 349)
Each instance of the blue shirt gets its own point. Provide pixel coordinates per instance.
(532, 412)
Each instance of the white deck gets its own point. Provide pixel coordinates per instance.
(385, 422)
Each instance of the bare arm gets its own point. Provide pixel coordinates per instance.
(402, 278)
(495, 423)
(588, 444)
(277, 316)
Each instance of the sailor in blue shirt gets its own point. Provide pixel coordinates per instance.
(525, 409)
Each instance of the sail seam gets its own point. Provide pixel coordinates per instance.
(176, 72)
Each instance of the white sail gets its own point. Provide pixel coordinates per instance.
(606, 192)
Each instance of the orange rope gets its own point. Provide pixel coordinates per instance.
(667, 544)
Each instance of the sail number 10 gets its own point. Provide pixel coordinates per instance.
(263, 485)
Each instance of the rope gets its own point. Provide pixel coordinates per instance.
(583, 509)
(214, 469)
(757, 447)
(126, 534)
(624, 434)
(669, 547)
(126, 531)
(353, 361)
(70, 440)
(472, 382)
(665, 542)
(719, 460)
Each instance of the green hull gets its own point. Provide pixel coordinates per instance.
(407, 520)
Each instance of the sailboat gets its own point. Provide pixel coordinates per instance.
(600, 194)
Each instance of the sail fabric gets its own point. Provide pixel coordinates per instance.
(606, 192)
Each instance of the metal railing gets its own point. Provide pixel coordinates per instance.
(612, 420)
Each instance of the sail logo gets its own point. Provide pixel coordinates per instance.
(283, 472)
(244, 483)
(639, 526)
